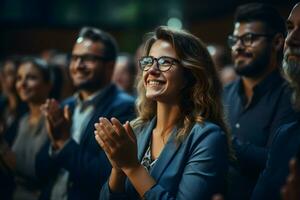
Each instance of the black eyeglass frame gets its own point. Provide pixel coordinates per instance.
(158, 63)
(233, 39)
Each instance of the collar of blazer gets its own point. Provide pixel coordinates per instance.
(167, 153)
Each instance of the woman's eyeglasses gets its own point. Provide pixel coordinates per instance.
(164, 63)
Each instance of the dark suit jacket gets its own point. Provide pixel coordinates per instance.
(193, 169)
(86, 162)
(285, 146)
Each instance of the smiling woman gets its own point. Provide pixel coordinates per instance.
(163, 79)
(177, 147)
(33, 81)
(33, 84)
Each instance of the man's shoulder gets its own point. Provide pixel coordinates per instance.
(120, 97)
(70, 101)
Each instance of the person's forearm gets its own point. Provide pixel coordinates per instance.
(117, 181)
(140, 179)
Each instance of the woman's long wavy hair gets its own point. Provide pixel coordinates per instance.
(201, 97)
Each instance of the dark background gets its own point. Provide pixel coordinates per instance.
(32, 26)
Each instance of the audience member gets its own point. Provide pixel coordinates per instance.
(11, 106)
(259, 101)
(73, 164)
(287, 141)
(11, 110)
(125, 73)
(33, 84)
(179, 147)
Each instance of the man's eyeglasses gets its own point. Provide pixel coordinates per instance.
(246, 39)
(164, 63)
(87, 58)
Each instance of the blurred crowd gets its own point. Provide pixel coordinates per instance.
(179, 119)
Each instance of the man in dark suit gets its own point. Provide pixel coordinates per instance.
(77, 167)
(287, 141)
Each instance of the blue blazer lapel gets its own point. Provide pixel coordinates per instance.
(166, 156)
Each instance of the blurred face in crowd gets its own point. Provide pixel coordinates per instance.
(8, 78)
(291, 62)
(30, 84)
(252, 51)
(122, 76)
(161, 85)
(88, 68)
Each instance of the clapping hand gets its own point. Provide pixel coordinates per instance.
(118, 141)
(58, 122)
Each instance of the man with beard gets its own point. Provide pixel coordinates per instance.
(73, 164)
(287, 141)
(259, 101)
